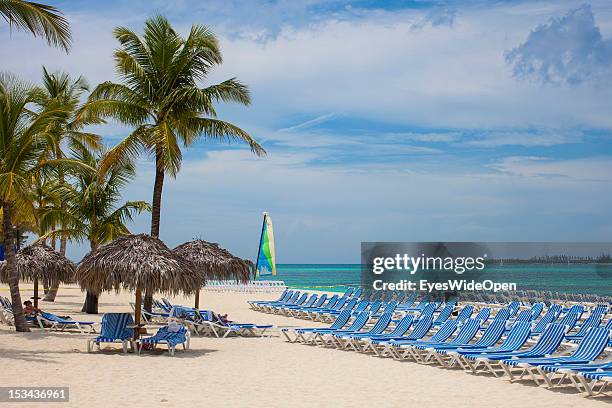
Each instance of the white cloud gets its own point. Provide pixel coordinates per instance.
(593, 169)
(567, 50)
(545, 138)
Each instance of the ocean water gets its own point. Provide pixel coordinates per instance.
(575, 278)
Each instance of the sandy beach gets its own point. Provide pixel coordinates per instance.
(244, 372)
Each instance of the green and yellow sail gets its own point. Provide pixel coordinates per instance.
(266, 257)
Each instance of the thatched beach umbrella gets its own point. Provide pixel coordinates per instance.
(39, 262)
(214, 262)
(139, 263)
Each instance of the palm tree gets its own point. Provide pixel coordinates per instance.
(159, 95)
(39, 19)
(60, 88)
(91, 212)
(23, 143)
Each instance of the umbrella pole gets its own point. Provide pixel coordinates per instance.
(36, 292)
(137, 312)
(197, 299)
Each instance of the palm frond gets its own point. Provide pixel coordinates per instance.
(40, 19)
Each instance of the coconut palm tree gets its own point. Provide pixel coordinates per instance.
(23, 143)
(39, 19)
(160, 96)
(92, 212)
(60, 88)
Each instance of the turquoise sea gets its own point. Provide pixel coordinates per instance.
(576, 278)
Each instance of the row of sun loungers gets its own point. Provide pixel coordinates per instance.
(257, 286)
(553, 345)
(201, 322)
(44, 320)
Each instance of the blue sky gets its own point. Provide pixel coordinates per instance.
(392, 121)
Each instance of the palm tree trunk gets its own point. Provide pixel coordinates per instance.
(155, 213)
(21, 325)
(91, 299)
(51, 292)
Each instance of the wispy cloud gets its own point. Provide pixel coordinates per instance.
(312, 122)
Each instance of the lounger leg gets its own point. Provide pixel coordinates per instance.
(286, 336)
(124, 343)
(587, 387)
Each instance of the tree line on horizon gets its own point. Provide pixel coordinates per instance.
(60, 181)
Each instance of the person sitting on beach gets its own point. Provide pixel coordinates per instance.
(29, 309)
(223, 318)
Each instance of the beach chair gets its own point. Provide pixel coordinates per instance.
(465, 313)
(536, 310)
(268, 307)
(342, 319)
(516, 339)
(324, 336)
(403, 349)
(386, 346)
(548, 342)
(483, 314)
(446, 312)
(424, 351)
(445, 353)
(217, 327)
(51, 321)
(551, 315)
(171, 338)
(587, 351)
(254, 304)
(593, 382)
(295, 300)
(114, 330)
(304, 301)
(592, 321)
(302, 311)
(288, 310)
(364, 343)
(344, 341)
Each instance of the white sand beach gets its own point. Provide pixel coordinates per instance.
(244, 372)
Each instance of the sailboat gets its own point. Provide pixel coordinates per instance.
(266, 255)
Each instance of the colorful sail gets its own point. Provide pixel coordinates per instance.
(266, 257)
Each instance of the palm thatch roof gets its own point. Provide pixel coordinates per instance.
(41, 262)
(215, 262)
(137, 262)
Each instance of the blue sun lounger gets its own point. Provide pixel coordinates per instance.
(536, 310)
(548, 342)
(114, 330)
(385, 346)
(516, 339)
(344, 341)
(256, 304)
(445, 313)
(564, 371)
(424, 351)
(325, 335)
(590, 322)
(445, 353)
(312, 302)
(549, 317)
(590, 380)
(402, 349)
(588, 350)
(58, 323)
(402, 327)
(342, 319)
(171, 338)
